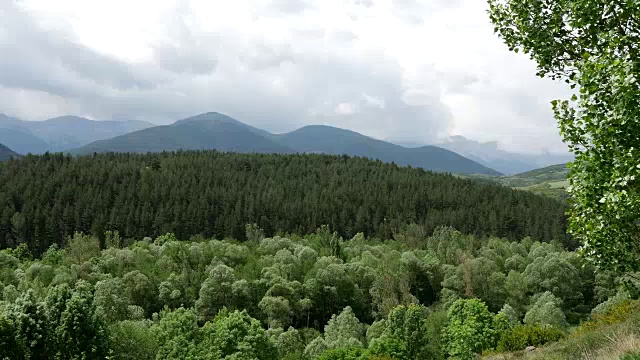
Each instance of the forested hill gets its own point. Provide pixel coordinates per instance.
(223, 133)
(6, 153)
(44, 199)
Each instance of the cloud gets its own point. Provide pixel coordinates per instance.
(407, 69)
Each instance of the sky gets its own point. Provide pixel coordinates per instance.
(412, 71)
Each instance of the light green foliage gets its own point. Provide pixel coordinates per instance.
(177, 333)
(32, 326)
(315, 348)
(592, 45)
(510, 315)
(132, 340)
(216, 292)
(344, 330)
(286, 284)
(80, 333)
(111, 300)
(556, 274)
(9, 348)
(54, 256)
(522, 336)
(469, 330)
(277, 310)
(614, 301)
(235, 335)
(254, 233)
(406, 335)
(81, 248)
(375, 330)
(351, 353)
(546, 310)
(517, 288)
(289, 344)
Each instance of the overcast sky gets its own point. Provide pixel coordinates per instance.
(410, 70)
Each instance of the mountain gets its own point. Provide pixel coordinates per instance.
(331, 140)
(71, 131)
(6, 153)
(509, 163)
(206, 131)
(220, 132)
(62, 133)
(23, 141)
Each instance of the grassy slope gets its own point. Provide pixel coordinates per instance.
(599, 342)
(550, 181)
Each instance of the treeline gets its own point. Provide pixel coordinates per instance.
(317, 297)
(44, 199)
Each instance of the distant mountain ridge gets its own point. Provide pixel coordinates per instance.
(60, 133)
(508, 163)
(221, 132)
(6, 153)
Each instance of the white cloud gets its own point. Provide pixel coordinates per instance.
(415, 70)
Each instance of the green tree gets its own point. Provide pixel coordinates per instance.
(469, 330)
(80, 333)
(9, 348)
(592, 45)
(177, 334)
(132, 340)
(32, 326)
(406, 334)
(344, 330)
(546, 310)
(111, 300)
(235, 335)
(216, 292)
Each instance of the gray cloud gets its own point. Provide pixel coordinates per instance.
(302, 73)
(36, 59)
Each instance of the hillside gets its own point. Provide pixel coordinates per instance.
(220, 132)
(216, 194)
(549, 181)
(60, 133)
(6, 153)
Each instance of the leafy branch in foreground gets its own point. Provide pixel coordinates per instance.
(594, 47)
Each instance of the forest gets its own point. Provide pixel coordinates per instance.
(45, 199)
(319, 296)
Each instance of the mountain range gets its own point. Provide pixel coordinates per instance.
(217, 131)
(490, 155)
(61, 133)
(6, 153)
(220, 132)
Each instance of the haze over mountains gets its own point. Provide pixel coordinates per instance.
(508, 163)
(217, 131)
(61, 133)
(6, 153)
(220, 132)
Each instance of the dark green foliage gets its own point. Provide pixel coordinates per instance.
(522, 336)
(45, 199)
